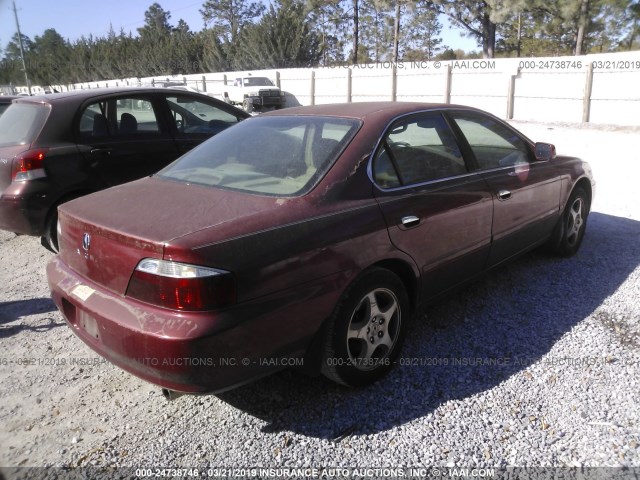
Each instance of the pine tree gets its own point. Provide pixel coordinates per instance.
(282, 39)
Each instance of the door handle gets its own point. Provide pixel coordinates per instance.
(410, 221)
(101, 151)
(504, 195)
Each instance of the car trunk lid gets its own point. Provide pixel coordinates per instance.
(105, 235)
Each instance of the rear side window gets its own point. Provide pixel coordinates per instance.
(21, 123)
(418, 150)
(119, 117)
(282, 156)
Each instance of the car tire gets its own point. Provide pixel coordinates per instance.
(569, 231)
(247, 106)
(50, 238)
(366, 330)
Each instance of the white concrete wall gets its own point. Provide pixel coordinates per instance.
(544, 89)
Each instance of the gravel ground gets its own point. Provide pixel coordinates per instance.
(536, 365)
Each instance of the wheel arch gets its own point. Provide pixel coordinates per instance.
(66, 197)
(49, 236)
(585, 184)
(407, 274)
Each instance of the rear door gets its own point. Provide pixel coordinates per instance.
(436, 209)
(123, 138)
(526, 192)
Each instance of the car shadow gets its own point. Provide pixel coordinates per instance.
(474, 340)
(14, 310)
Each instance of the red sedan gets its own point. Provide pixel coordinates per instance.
(307, 235)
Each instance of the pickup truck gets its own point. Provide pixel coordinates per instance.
(254, 94)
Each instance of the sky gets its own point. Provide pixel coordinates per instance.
(74, 18)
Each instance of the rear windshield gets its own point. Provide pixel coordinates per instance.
(21, 122)
(282, 156)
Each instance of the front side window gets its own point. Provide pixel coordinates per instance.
(281, 155)
(493, 144)
(119, 117)
(193, 116)
(417, 150)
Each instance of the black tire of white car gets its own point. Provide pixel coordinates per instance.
(247, 105)
(367, 328)
(569, 232)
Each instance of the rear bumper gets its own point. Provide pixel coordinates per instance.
(23, 208)
(14, 217)
(193, 352)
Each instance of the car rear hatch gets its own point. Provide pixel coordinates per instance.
(19, 126)
(105, 235)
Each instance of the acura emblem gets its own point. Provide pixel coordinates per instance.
(86, 242)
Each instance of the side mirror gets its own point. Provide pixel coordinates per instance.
(545, 151)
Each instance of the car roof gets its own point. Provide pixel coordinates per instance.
(77, 96)
(7, 98)
(361, 110)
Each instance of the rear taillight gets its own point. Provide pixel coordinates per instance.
(29, 165)
(179, 286)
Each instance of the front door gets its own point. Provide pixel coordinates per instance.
(197, 119)
(526, 192)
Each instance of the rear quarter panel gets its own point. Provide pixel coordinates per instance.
(305, 254)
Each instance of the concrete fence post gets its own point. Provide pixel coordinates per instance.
(224, 79)
(278, 80)
(349, 86)
(447, 89)
(312, 91)
(586, 101)
(394, 83)
(204, 83)
(511, 96)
